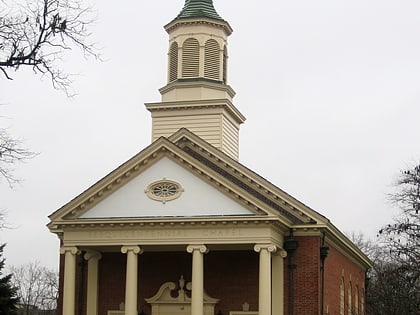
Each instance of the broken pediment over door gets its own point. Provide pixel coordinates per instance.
(175, 299)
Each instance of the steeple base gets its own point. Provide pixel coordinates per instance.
(216, 121)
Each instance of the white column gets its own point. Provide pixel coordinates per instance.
(93, 258)
(69, 294)
(197, 294)
(131, 278)
(201, 60)
(179, 63)
(264, 296)
(277, 284)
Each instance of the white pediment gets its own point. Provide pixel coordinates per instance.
(197, 198)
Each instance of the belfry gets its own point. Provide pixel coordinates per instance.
(183, 228)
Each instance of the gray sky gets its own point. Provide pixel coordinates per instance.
(330, 90)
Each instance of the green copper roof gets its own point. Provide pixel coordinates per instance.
(197, 9)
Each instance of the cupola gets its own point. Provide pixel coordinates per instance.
(197, 95)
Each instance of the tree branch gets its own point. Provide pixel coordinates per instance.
(38, 33)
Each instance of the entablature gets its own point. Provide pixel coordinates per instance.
(175, 232)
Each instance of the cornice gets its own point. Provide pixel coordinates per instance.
(110, 224)
(113, 181)
(70, 213)
(171, 26)
(200, 104)
(347, 248)
(337, 239)
(198, 82)
(176, 148)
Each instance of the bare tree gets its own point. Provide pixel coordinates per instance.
(37, 33)
(11, 152)
(392, 289)
(402, 237)
(37, 286)
(392, 286)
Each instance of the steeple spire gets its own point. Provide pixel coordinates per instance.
(197, 9)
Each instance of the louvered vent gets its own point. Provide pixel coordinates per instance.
(190, 58)
(212, 60)
(225, 58)
(173, 62)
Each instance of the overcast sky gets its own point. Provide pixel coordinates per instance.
(330, 90)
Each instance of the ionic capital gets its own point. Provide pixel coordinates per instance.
(281, 252)
(130, 248)
(271, 248)
(72, 249)
(92, 254)
(200, 247)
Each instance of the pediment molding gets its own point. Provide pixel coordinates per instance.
(198, 157)
(272, 195)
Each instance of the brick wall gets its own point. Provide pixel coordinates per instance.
(306, 277)
(338, 266)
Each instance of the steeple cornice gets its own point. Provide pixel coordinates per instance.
(227, 90)
(206, 21)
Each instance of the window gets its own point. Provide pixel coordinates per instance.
(164, 190)
(362, 302)
(342, 297)
(190, 58)
(356, 300)
(212, 60)
(349, 304)
(173, 62)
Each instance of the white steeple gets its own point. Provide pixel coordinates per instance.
(197, 96)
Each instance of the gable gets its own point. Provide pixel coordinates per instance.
(197, 198)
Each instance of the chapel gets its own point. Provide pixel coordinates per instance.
(183, 228)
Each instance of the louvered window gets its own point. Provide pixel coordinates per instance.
(173, 62)
(225, 58)
(212, 60)
(190, 58)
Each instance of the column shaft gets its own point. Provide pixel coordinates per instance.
(131, 279)
(197, 294)
(92, 282)
(264, 296)
(277, 284)
(69, 290)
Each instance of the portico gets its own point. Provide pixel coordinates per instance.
(262, 236)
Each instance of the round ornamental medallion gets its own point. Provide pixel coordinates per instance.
(164, 190)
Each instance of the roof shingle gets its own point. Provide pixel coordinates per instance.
(199, 8)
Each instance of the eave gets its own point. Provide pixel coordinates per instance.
(183, 105)
(171, 26)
